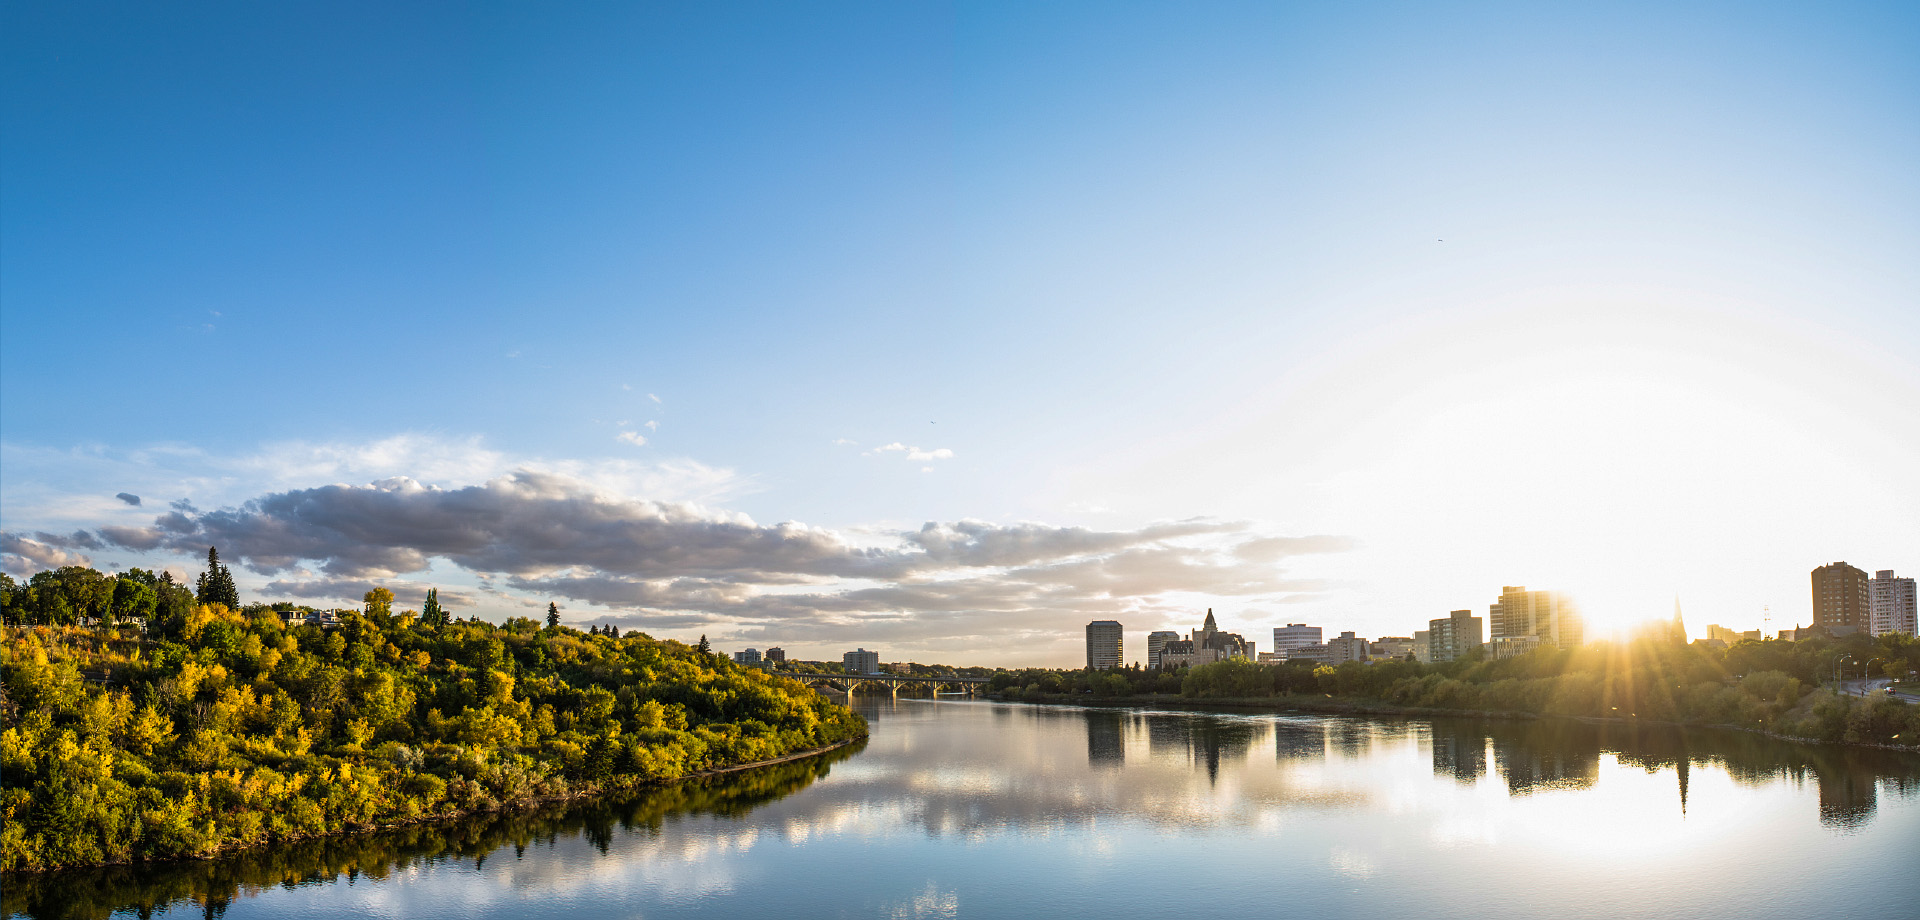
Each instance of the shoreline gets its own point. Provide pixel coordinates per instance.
(448, 817)
(1344, 706)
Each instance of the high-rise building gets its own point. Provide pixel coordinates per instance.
(1157, 643)
(749, 656)
(777, 655)
(1891, 606)
(1294, 635)
(1841, 600)
(1548, 616)
(1423, 646)
(1452, 637)
(1103, 645)
(861, 661)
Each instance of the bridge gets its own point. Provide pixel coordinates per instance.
(847, 683)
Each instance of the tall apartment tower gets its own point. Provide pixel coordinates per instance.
(1891, 607)
(861, 661)
(1156, 642)
(1545, 615)
(1841, 597)
(1103, 645)
(1452, 637)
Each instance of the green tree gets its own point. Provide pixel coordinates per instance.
(216, 583)
(553, 615)
(379, 602)
(133, 598)
(431, 613)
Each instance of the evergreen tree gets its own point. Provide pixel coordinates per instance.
(613, 631)
(705, 649)
(215, 585)
(553, 615)
(431, 613)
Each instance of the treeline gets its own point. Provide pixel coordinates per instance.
(1772, 686)
(169, 731)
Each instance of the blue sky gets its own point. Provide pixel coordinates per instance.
(1487, 294)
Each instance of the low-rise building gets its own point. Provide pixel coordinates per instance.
(1390, 648)
(1315, 653)
(1510, 646)
(1346, 647)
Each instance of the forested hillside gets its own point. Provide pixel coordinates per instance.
(171, 728)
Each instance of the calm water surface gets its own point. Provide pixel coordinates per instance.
(973, 809)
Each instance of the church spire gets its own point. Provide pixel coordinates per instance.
(1209, 624)
(1679, 625)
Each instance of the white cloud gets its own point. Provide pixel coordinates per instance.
(656, 399)
(914, 454)
(632, 437)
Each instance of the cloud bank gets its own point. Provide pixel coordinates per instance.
(530, 535)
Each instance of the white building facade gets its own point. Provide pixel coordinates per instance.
(1891, 602)
(1295, 635)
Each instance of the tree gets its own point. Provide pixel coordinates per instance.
(216, 583)
(133, 598)
(705, 649)
(553, 615)
(379, 602)
(431, 613)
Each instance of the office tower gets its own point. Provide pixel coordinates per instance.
(1294, 635)
(1103, 645)
(1548, 616)
(1156, 643)
(777, 655)
(1841, 599)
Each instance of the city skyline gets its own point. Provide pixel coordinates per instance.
(951, 329)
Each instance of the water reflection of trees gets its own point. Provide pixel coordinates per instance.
(1561, 753)
(214, 884)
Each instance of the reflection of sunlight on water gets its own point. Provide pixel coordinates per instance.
(929, 903)
(1350, 863)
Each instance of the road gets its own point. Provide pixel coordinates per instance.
(1876, 687)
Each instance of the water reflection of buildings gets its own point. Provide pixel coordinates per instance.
(1460, 755)
(1847, 796)
(1106, 738)
(1298, 741)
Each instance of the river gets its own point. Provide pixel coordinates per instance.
(960, 808)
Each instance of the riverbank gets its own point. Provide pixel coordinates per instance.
(1329, 705)
(526, 803)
